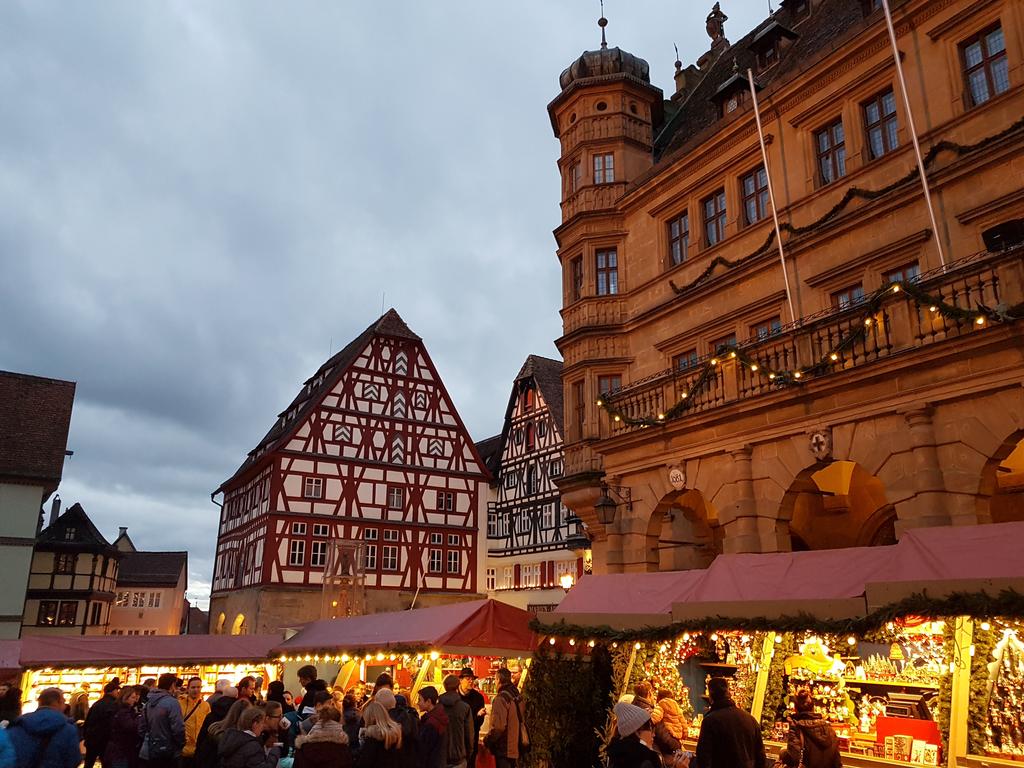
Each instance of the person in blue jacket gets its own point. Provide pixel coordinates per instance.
(45, 738)
(7, 756)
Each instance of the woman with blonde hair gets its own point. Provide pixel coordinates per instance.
(381, 739)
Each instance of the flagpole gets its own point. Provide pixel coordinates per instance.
(771, 194)
(913, 132)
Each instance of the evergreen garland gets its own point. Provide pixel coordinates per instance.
(775, 692)
(849, 196)
(945, 702)
(1008, 603)
(984, 642)
(560, 694)
(780, 378)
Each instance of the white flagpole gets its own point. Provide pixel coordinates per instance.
(913, 132)
(771, 193)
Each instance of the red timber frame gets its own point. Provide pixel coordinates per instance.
(382, 423)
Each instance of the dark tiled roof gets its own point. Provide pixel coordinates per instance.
(316, 387)
(86, 535)
(697, 117)
(548, 375)
(151, 569)
(490, 454)
(35, 414)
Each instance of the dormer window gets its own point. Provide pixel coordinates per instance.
(733, 94)
(767, 57)
(798, 9)
(769, 44)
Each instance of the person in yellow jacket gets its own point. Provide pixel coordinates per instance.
(194, 710)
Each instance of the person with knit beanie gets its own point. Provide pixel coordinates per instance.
(634, 734)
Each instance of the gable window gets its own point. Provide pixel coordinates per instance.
(313, 488)
(576, 279)
(685, 360)
(531, 437)
(318, 554)
(714, 217)
(434, 561)
(607, 271)
(606, 384)
(445, 501)
(298, 529)
(68, 614)
(389, 558)
(830, 146)
(454, 561)
(64, 563)
(297, 552)
(679, 238)
(517, 436)
(47, 616)
(70, 533)
(986, 71)
(510, 480)
(542, 428)
(880, 124)
(527, 399)
(604, 168)
(848, 297)
(531, 479)
(766, 329)
(903, 274)
(396, 498)
(755, 195)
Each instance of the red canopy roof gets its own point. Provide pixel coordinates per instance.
(115, 650)
(477, 628)
(10, 653)
(828, 583)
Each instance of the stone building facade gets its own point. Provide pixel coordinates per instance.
(875, 384)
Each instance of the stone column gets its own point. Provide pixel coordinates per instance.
(638, 556)
(739, 519)
(928, 507)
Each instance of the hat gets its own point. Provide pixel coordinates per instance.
(386, 698)
(113, 686)
(467, 672)
(630, 718)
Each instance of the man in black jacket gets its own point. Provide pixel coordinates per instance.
(475, 700)
(729, 737)
(460, 724)
(96, 730)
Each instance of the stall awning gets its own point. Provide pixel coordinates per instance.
(630, 600)
(479, 627)
(134, 650)
(10, 655)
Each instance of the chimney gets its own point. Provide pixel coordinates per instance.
(54, 510)
(122, 531)
(686, 80)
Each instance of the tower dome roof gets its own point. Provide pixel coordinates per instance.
(605, 61)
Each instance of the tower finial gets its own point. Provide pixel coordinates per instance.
(602, 23)
(679, 63)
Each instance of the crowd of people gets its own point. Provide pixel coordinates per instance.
(167, 723)
(649, 733)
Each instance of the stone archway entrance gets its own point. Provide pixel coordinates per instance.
(1002, 483)
(684, 531)
(832, 505)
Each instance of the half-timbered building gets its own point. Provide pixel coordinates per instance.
(368, 480)
(533, 541)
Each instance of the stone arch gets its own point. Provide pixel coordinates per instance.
(836, 504)
(238, 625)
(683, 531)
(1000, 496)
(219, 628)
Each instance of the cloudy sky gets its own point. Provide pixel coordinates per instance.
(202, 200)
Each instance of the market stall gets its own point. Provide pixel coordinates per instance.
(913, 652)
(75, 663)
(417, 647)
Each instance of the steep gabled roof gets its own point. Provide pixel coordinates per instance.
(35, 414)
(85, 536)
(548, 375)
(316, 387)
(151, 569)
(698, 116)
(490, 454)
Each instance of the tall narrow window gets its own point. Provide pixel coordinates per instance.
(531, 480)
(531, 437)
(848, 297)
(96, 614)
(579, 405)
(576, 279)
(297, 552)
(454, 561)
(434, 561)
(318, 554)
(389, 558)
(679, 238)
(607, 272)
(371, 557)
(755, 195)
(714, 217)
(47, 616)
(986, 71)
(68, 614)
(880, 124)
(396, 498)
(604, 168)
(577, 176)
(830, 145)
(489, 580)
